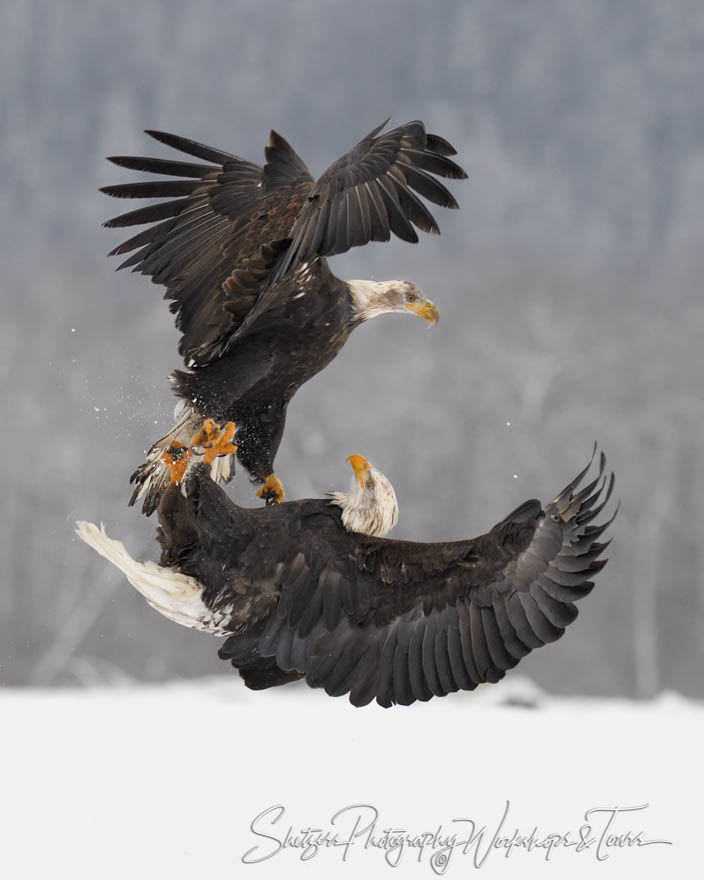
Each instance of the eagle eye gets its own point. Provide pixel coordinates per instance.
(369, 484)
(411, 297)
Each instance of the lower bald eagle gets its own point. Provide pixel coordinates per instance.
(300, 591)
(241, 251)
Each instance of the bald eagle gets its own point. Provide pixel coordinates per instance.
(241, 251)
(301, 591)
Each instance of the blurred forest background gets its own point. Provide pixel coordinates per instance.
(569, 287)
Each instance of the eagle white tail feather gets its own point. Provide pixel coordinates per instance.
(153, 476)
(175, 595)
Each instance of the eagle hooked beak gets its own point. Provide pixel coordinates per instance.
(361, 468)
(426, 309)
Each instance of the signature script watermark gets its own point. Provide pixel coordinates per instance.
(359, 828)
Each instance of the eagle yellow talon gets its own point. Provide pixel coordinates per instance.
(272, 490)
(221, 445)
(208, 433)
(214, 440)
(176, 458)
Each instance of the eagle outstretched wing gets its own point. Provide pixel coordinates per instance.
(231, 230)
(368, 193)
(401, 622)
(214, 242)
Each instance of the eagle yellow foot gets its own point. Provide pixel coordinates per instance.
(209, 433)
(272, 491)
(176, 458)
(214, 440)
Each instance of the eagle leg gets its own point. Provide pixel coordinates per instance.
(272, 491)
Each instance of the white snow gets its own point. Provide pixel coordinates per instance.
(165, 781)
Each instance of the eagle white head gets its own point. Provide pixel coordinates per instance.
(372, 298)
(370, 507)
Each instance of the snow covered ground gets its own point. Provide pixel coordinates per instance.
(181, 781)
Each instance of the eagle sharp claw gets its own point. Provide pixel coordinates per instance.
(215, 440)
(272, 491)
(176, 458)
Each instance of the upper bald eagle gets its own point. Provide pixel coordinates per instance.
(241, 250)
(299, 593)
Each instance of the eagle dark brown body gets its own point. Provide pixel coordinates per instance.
(252, 383)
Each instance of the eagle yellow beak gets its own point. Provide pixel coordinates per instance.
(426, 309)
(360, 466)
